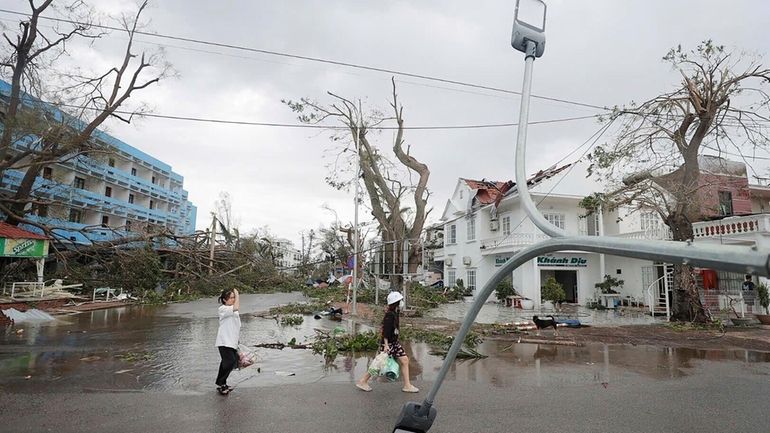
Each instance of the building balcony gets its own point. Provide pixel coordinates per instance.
(510, 243)
(735, 227)
(656, 233)
(438, 254)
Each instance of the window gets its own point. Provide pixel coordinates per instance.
(128, 225)
(130, 198)
(111, 162)
(108, 191)
(470, 281)
(80, 183)
(506, 225)
(152, 204)
(649, 220)
(75, 216)
(557, 219)
(450, 277)
(592, 224)
(153, 180)
(133, 171)
(725, 203)
(47, 173)
(105, 221)
(452, 235)
(471, 226)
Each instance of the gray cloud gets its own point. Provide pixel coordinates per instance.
(598, 52)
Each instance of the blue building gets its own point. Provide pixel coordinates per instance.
(105, 195)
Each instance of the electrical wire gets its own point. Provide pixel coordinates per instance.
(318, 126)
(315, 59)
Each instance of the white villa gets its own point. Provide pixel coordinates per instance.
(484, 225)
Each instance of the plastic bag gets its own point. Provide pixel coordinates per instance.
(391, 370)
(378, 363)
(245, 356)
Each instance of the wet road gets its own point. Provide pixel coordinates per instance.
(138, 368)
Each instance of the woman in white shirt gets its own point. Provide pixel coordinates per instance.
(227, 337)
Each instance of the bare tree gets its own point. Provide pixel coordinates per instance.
(35, 134)
(721, 105)
(389, 184)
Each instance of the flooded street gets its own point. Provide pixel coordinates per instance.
(170, 349)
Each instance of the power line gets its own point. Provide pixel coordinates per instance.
(317, 126)
(314, 59)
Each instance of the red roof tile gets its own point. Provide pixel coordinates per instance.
(493, 191)
(12, 232)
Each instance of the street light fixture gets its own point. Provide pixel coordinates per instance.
(529, 26)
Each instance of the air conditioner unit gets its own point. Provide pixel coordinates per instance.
(466, 261)
(448, 262)
(494, 225)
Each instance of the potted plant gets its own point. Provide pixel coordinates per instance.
(764, 301)
(736, 319)
(504, 289)
(552, 291)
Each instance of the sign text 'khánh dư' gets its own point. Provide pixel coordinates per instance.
(579, 262)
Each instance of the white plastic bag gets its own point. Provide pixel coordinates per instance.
(246, 357)
(378, 364)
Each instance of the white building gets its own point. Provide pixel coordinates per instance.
(484, 225)
(286, 256)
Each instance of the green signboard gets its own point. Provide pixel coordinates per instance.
(23, 247)
(578, 262)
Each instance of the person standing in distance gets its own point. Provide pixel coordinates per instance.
(748, 284)
(227, 337)
(389, 344)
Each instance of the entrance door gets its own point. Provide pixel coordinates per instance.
(568, 280)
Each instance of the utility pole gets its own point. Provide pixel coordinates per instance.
(355, 221)
(405, 265)
(212, 236)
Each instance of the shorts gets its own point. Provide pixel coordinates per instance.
(396, 350)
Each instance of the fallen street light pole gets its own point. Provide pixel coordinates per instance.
(529, 38)
(418, 417)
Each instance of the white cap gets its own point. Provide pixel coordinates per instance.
(394, 297)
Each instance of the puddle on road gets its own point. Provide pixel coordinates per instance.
(492, 312)
(170, 348)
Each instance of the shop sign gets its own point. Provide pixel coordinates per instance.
(577, 262)
(500, 260)
(23, 247)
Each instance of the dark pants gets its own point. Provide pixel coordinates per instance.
(229, 362)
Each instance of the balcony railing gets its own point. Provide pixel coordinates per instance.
(659, 232)
(510, 242)
(733, 226)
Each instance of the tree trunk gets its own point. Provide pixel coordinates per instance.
(23, 194)
(685, 302)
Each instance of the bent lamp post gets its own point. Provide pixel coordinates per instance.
(419, 417)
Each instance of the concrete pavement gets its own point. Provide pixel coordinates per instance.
(716, 397)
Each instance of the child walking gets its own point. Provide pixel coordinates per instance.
(227, 337)
(389, 344)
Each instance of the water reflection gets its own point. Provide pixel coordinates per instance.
(492, 312)
(147, 348)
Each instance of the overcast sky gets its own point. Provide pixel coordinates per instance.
(598, 52)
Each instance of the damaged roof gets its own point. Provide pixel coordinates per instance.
(9, 231)
(488, 192)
